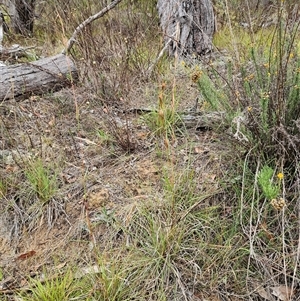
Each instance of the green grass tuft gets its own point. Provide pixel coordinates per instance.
(42, 179)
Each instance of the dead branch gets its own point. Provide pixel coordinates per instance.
(88, 21)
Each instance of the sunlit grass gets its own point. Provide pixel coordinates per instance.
(243, 40)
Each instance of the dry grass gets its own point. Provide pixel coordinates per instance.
(117, 212)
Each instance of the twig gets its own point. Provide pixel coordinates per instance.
(86, 22)
(150, 69)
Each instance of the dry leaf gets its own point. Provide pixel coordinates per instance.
(51, 123)
(87, 270)
(282, 292)
(212, 177)
(200, 150)
(264, 294)
(10, 168)
(60, 266)
(34, 98)
(69, 179)
(142, 135)
(264, 227)
(26, 255)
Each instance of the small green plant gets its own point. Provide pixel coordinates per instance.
(164, 120)
(3, 188)
(210, 92)
(214, 97)
(104, 137)
(42, 179)
(59, 288)
(265, 180)
(111, 281)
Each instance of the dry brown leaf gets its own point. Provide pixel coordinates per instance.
(264, 294)
(10, 168)
(69, 179)
(34, 98)
(142, 135)
(212, 177)
(26, 255)
(264, 227)
(282, 292)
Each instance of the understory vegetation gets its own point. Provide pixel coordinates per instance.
(108, 193)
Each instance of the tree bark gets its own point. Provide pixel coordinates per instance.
(22, 15)
(48, 74)
(188, 25)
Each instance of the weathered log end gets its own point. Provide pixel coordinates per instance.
(35, 78)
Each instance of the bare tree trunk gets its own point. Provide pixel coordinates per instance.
(22, 15)
(188, 25)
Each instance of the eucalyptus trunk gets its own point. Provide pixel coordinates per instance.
(22, 15)
(188, 25)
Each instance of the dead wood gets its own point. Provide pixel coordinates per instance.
(48, 74)
(192, 120)
(189, 24)
(88, 21)
(15, 51)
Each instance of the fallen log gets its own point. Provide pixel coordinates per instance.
(48, 74)
(191, 120)
(35, 78)
(14, 52)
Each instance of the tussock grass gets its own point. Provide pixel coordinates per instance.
(42, 180)
(57, 288)
(164, 120)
